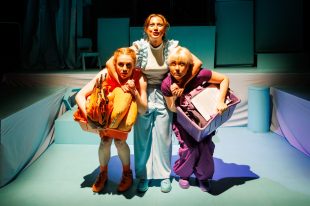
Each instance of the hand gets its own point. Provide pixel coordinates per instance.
(130, 87)
(176, 90)
(131, 83)
(221, 107)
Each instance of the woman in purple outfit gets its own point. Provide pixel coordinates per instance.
(194, 157)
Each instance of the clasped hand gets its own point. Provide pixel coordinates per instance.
(176, 90)
(130, 87)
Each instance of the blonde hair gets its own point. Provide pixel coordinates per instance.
(125, 51)
(148, 19)
(181, 54)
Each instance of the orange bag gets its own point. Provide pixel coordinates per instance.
(110, 114)
(121, 106)
(97, 104)
(130, 117)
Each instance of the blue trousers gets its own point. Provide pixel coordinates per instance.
(152, 138)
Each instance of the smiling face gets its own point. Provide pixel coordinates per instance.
(124, 66)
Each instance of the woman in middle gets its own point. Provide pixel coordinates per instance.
(152, 131)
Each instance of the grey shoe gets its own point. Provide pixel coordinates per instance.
(165, 185)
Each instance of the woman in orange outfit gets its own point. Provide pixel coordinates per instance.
(132, 81)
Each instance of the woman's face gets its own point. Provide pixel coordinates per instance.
(124, 66)
(156, 29)
(178, 68)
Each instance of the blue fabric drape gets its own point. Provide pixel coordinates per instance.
(49, 38)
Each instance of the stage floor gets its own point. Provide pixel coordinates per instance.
(250, 169)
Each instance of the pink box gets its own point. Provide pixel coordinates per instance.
(199, 133)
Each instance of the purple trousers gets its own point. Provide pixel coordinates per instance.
(194, 157)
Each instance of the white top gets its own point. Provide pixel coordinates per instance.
(152, 61)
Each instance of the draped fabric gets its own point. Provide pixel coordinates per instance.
(290, 117)
(27, 126)
(49, 34)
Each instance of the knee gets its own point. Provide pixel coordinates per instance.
(106, 142)
(120, 144)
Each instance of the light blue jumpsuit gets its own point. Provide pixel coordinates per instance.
(152, 131)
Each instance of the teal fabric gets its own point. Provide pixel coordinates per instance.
(27, 128)
(49, 38)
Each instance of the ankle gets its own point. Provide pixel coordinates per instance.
(103, 168)
(126, 182)
(126, 168)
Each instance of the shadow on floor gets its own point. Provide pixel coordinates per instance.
(222, 185)
(226, 176)
(114, 178)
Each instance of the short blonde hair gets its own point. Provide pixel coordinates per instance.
(125, 51)
(181, 54)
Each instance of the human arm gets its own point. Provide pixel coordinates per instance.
(170, 101)
(197, 63)
(82, 95)
(140, 95)
(167, 87)
(223, 81)
(111, 68)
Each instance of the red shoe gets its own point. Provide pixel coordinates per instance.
(126, 181)
(100, 181)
